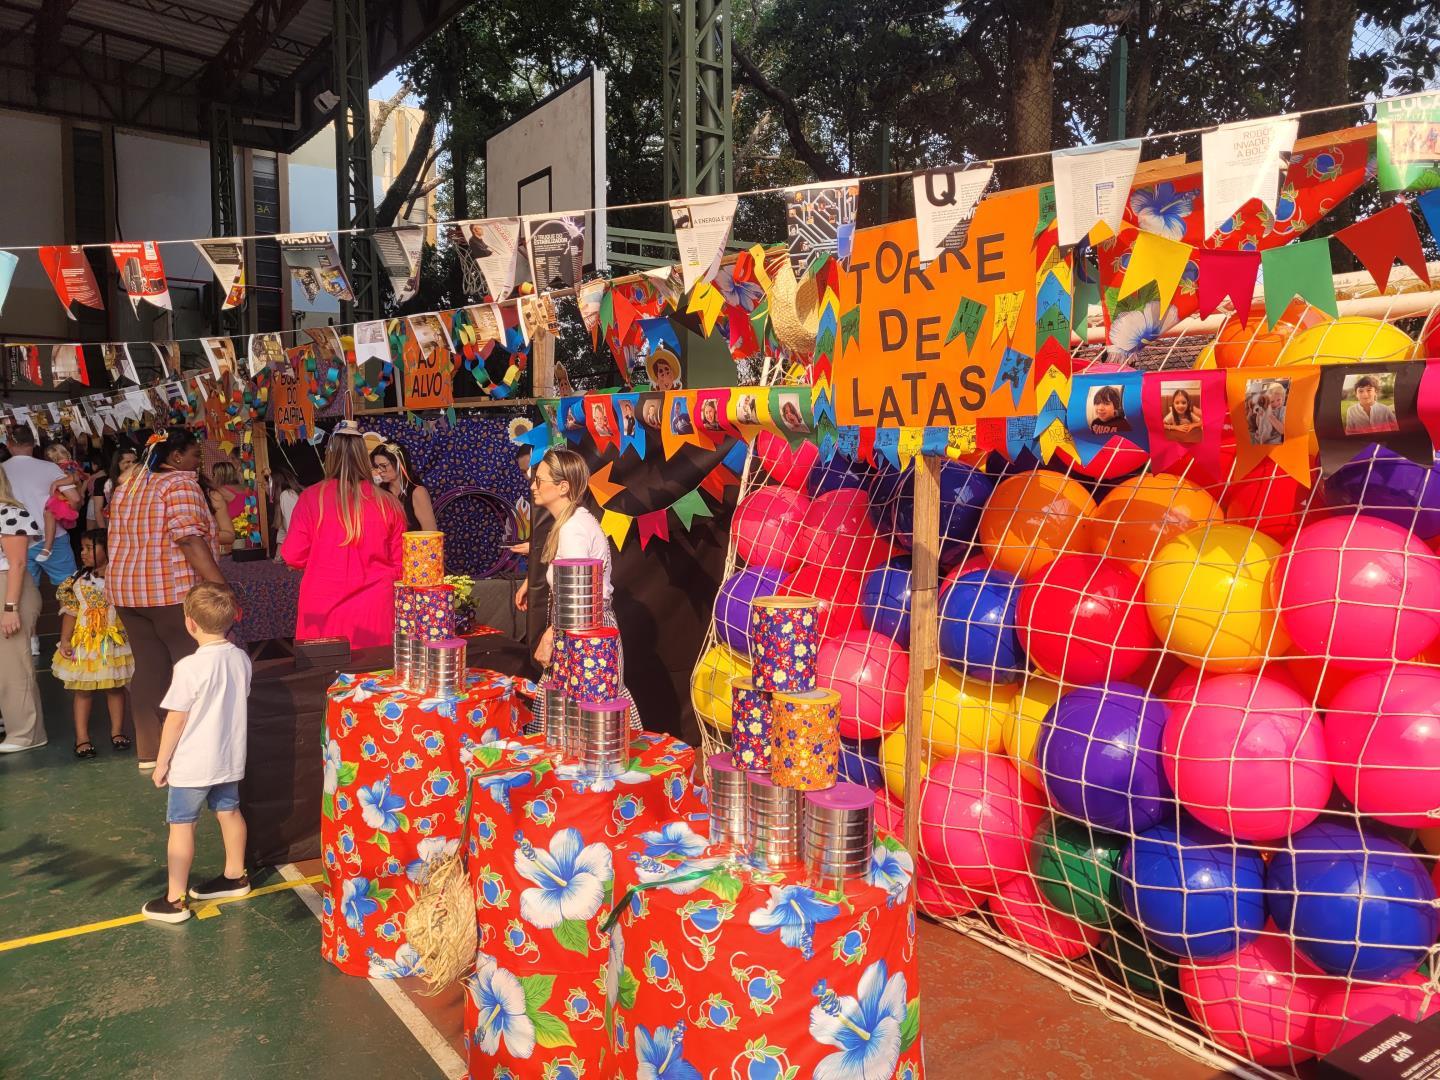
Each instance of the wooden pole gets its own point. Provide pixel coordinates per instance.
(260, 451)
(924, 632)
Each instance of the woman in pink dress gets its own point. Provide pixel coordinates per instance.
(345, 535)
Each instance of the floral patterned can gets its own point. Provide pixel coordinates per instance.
(422, 558)
(805, 748)
(591, 666)
(784, 638)
(751, 731)
(425, 612)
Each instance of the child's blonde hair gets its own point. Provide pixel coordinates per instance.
(211, 607)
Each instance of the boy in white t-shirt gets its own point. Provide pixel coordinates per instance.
(202, 752)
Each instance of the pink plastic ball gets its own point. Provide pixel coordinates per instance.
(889, 814)
(837, 532)
(940, 899)
(766, 527)
(1347, 1010)
(1082, 619)
(1359, 590)
(838, 592)
(1021, 913)
(1181, 690)
(1247, 757)
(870, 673)
(976, 819)
(1118, 457)
(1254, 1002)
(1383, 732)
(785, 466)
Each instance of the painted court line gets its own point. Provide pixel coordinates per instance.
(426, 1034)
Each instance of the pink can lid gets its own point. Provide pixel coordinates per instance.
(577, 562)
(446, 643)
(760, 779)
(613, 705)
(722, 763)
(596, 632)
(843, 796)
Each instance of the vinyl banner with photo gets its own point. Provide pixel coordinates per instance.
(792, 413)
(1272, 410)
(1363, 405)
(142, 274)
(400, 250)
(632, 431)
(820, 219)
(69, 272)
(1185, 413)
(315, 265)
(226, 259)
(557, 250)
(496, 249)
(702, 229)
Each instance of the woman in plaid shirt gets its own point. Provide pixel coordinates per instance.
(162, 542)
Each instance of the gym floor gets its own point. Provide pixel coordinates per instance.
(243, 991)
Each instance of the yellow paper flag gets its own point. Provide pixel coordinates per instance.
(616, 526)
(708, 302)
(1155, 258)
(1007, 314)
(910, 442)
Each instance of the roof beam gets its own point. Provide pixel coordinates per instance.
(49, 22)
(254, 33)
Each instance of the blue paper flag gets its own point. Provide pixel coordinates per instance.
(1015, 370)
(1430, 207)
(887, 443)
(1102, 406)
(735, 459)
(8, 261)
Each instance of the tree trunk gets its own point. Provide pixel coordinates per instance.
(1144, 45)
(1032, 30)
(409, 175)
(460, 180)
(1322, 76)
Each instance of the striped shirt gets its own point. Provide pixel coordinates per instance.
(150, 514)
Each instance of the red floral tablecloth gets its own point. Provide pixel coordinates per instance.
(394, 786)
(543, 846)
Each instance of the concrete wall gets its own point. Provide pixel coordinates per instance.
(32, 211)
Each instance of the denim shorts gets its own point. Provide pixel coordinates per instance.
(184, 804)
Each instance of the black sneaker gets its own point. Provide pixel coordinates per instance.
(221, 886)
(163, 909)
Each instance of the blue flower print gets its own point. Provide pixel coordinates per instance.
(500, 785)
(380, 809)
(569, 880)
(1161, 210)
(406, 963)
(675, 838)
(430, 852)
(676, 876)
(891, 870)
(1131, 331)
(355, 902)
(795, 911)
(661, 1054)
(865, 1029)
(500, 1001)
(332, 766)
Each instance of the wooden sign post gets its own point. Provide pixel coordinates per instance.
(924, 632)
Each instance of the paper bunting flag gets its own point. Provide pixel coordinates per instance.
(226, 259)
(632, 431)
(315, 265)
(717, 480)
(1272, 410)
(600, 421)
(707, 302)
(690, 506)
(1007, 314)
(1014, 370)
(1092, 187)
(712, 416)
(429, 381)
(1185, 413)
(494, 246)
(1053, 438)
(1158, 259)
(142, 274)
(662, 354)
(679, 427)
(1430, 206)
(1104, 405)
(702, 229)
(616, 526)
(736, 456)
(1020, 436)
(400, 250)
(69, 272)
(820, 218)
(596, 310)
(792, 413)
(1243, 161)
(1361, 406)
(969, 316)
(1383, 237)
(1300, 268)
(653, 525)
(265, 350)
(1085, 296)
(556, 246)
(602, 487)
(1407, 142)
(1226, 273)
(67, 362)
(8, 261)
(572, 418)
(945, 201)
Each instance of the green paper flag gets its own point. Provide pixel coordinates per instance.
(1047, 209)
(1053, 324)
(690, 506)
(968, 317)
(850, 327)
(607, 311)
(1087, 295)
(1300, 269)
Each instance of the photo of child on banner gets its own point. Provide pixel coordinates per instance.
(1105, 404)
(1273, 413)
(1363, 405)
(712, 416)
(572, 418)
(679, 428)
(600, 420)
(632, 431)
(792, 413)
(1185, 414)
(661, 353)
(749, 410)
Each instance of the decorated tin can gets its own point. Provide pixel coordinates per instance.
(750, 733)
(426, 613)
(422, 558)
(784, 638)
(805, 739)
(591, 666)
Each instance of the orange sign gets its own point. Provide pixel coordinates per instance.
(921, 357)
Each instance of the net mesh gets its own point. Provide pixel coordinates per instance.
(1182, 750)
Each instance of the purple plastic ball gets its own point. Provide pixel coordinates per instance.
(1386, 485)
(732, 605)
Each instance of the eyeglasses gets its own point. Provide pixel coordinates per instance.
(536, 479)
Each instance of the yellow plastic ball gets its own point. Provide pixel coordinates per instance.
(710, 685)
(1347, 340)
(892, 762)
(1022, 723)
(1208, 597)
(962, 714)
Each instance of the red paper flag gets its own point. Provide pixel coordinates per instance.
(1053, 354)
(652, 524)
(625, 314)
(1225, 273)
(69, 272)
(1380, 239)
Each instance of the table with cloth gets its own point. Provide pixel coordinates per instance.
(394, 788)
(736, 971)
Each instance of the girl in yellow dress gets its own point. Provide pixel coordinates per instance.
(93, 653)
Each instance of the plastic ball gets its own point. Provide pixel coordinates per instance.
(1387, 485)
(786, 465)
(837, 591)
(1141, 515)
(1266, 498)
(1074, 866)
(1246, 756)
(964, 491)
(860, 762)
(1118, 457)
(976, 820)
(1192, 892)
(1256, 344)
(1023, 721)
(1358, 590)
(838, 472)
(1124, 956)
(1383, 736)
(1030, 519)
(1348, 1010)
(941, 899)
(1357, 903)
(1081, 620)
(962, 714)
(766, 528)
(836, 531)
(1208, 598)
(869, 672)
(892, 762)
(1255, 1003)
(710, 685)
(1317, 679)
(1099, 752)
(1023, 914)
(979, 635)
(885, 599)
(1346, 340)
(732, 604)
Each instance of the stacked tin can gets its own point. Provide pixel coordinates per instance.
(774, 823)
(839, 832)
(728, 803)
(583, 703)
(750, 731)
(445, 667)
(577, 596)
(598, 737)
(425, 613)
